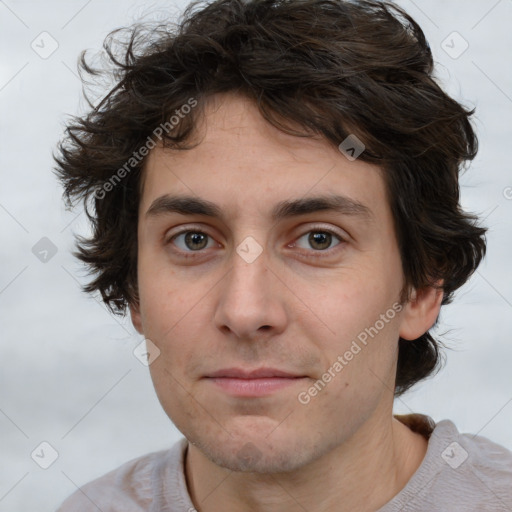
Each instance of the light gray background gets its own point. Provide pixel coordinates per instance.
(68, 375)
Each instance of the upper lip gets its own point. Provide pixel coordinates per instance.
(239, 373)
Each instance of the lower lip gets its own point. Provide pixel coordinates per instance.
(253, 387)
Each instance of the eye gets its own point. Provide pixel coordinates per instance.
(191, 241)
(319, 239)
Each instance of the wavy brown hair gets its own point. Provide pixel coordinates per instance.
(313, 67)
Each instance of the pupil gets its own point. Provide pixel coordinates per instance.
(320, 238)
(192, 239)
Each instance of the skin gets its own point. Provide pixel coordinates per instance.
(210, 309)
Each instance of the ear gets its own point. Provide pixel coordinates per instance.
(136, 318)
(420, 312)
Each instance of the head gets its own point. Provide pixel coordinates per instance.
(221, 139)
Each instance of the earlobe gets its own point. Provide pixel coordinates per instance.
(421, 312)
(136, 318)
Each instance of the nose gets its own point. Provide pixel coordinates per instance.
(251, 302)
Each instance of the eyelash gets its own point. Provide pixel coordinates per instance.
(313, 253)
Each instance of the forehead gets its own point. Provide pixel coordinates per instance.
(243, 164)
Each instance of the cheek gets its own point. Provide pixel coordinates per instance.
(348, 302)
(355, 317)
(175, 317)
(163, 297)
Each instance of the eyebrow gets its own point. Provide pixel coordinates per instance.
(190, 205)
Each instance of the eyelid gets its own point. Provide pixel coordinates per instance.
(328, 229)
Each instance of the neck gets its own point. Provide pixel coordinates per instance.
(362, 474)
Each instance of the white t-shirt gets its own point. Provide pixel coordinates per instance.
(460, 472)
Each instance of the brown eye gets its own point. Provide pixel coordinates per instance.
(319, 240)
(191, 241)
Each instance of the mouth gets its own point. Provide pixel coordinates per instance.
(253, 383)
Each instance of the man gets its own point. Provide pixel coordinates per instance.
(275, 199)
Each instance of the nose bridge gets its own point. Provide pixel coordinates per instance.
(249, 271)
(249, 261)
(248, 280)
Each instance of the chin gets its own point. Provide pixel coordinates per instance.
(251, 458)
(260, 454)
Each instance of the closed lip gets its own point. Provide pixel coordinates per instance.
(258, 373)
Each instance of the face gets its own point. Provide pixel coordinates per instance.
(260, 277)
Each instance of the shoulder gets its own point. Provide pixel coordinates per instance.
(469, 472)
(489, 462)
(460, 472)
(128, 488)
